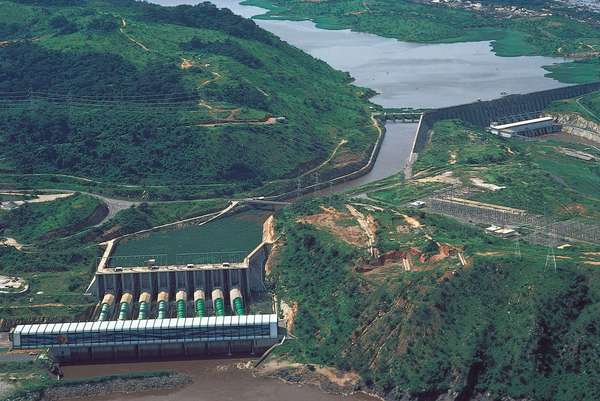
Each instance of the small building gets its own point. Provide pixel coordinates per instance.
(502, 232)
(527, 128)
(417, 204)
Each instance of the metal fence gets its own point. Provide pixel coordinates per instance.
(137, 260)
(210, 258)
(539, 228)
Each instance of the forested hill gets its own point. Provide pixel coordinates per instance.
(130, 92)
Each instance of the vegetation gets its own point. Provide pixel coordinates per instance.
(501, 325)
(34, 379)
(45, 220)
(537, 177)
(171, 96)
(147, 215)
(471, 315)
(558, 31)
(587, 106)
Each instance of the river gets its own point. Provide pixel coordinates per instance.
(213, 380)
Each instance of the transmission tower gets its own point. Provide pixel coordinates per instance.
(518, 248)
(550, 259)
(316, 177)
(298, 187)
(550, 255)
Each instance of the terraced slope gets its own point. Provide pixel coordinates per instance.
(133, 93)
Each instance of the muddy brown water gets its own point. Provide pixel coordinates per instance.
(213, 380)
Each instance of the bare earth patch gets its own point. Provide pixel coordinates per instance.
(11, 242)
(478, 182)
(329, 220)
(444, 178)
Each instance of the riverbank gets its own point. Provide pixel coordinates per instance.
(101, 386)
(212, 380)
(327, 379)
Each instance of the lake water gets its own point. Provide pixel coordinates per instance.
(406, 74)
(409, 74)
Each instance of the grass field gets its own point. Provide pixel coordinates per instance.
(588, 106)
(537, 176)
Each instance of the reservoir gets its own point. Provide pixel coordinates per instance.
(234, 237)
(406, 74)
(409, 74)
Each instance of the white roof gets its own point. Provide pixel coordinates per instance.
(128, 325)
(521, 123)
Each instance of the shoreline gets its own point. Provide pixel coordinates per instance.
(103, 385)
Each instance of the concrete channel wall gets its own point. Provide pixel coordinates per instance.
(482, 113)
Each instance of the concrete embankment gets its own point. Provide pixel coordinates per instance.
(340, 175)
(482, 113)
(95, 388)
(577, 125)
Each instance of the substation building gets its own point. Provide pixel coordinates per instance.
(525, 128)
(158, 310)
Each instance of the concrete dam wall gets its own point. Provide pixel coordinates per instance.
(482, 113)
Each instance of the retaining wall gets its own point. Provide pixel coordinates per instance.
(483, 113)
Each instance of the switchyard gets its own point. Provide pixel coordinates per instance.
(160, 309)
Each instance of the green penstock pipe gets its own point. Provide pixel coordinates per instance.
(238, 306)
(200, 310)
(123, 310)
(103, 312)
(219, 307)
(180, 306)
(162, 309)
(143, 314)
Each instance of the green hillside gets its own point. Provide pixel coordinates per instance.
(446, 309)
(132, 93)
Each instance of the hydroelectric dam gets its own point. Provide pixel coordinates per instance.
(155, 309)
